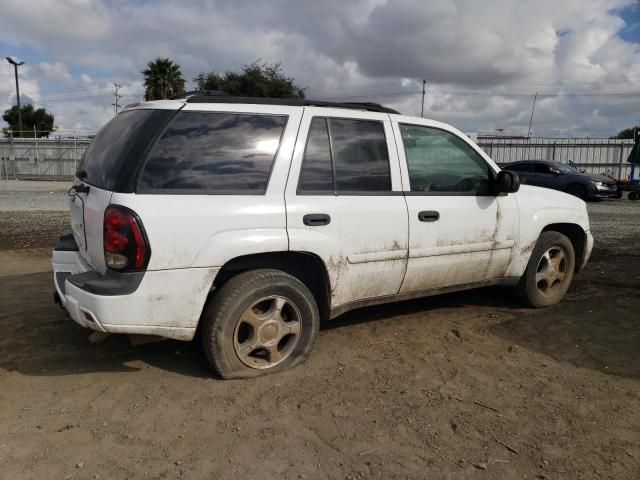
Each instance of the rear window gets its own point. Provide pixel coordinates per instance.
(220, 153)
(112, 158)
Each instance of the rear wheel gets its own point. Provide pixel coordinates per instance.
(577, 190)
(549, 272)
(633, 196)
(259, 322)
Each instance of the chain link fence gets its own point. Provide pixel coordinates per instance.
(58, 159)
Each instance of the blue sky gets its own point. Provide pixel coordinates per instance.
(631, 16)
(484, 61)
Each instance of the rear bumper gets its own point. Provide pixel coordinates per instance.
(167, 303)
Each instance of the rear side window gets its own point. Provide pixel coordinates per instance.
(112, 158)
(214, 153)
(317, 170)
(542, 168)
(345, 155)
(520, 167)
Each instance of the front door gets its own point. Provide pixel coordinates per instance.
(460, 232)
(344, 202)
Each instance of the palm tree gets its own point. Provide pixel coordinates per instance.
(162, 79)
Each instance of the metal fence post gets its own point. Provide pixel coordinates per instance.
(60, 152)
(35, 151)
(12, 158)
(620, 161)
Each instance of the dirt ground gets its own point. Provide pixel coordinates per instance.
(459, 386)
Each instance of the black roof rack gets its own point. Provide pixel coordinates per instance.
(215, 96)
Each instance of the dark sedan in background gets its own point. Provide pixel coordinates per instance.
(565, 178)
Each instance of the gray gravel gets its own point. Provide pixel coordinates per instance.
(31, 196)
(33, 201)
(615, 225)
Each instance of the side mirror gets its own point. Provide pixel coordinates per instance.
(507, 182)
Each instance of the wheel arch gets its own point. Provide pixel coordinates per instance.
(576, 235)
(582, 187)
(305, 266)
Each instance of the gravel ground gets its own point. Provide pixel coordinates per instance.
(616, 225)
(28, 196)
(461, 386)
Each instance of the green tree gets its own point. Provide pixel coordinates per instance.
(626, 133)
(162, 79)
(39, 119)
(255, 80)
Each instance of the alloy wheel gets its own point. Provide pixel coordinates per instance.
(267, 332)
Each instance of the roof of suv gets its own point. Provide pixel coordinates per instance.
(219, 97)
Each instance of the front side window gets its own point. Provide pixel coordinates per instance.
(345, 155)
(440, 162)
(214, 153)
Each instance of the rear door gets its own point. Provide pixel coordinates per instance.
(345, 204)
(459, 232)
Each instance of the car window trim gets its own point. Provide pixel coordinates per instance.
(352, 193)
(335, 192)
(491, 174)
(207, 191)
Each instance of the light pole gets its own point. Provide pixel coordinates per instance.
(15, 67)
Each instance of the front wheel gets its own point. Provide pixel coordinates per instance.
(577, 190)
(549, 272)
(259, 322)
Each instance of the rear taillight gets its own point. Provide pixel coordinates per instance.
(125, 244)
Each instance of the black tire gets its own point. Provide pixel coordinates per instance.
(222, 316)
(577, 190)
(633, 196)
(530, 290)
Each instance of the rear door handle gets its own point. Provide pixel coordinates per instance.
(428, 216)
(316, 219)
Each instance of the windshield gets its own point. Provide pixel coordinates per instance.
(112, 158)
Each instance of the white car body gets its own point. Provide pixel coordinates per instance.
(374, 250)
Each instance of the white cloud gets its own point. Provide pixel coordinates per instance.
(50, 24)
(349, 49)
(49, 72)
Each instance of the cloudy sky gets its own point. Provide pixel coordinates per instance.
(483, 60)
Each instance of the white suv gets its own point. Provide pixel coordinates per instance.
(251, 220)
